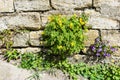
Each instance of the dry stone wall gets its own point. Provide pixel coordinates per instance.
(33, 15)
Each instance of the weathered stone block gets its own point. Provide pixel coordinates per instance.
(29, 50)
(3, 26)
(109, 8)
(35, 38)
(117, 53)
(25, 20)
(21, 40)
(91, 36)
(70, 4)
(10, 72)
(113, 36)
(6, 6)
(98, 22)
(32, 5)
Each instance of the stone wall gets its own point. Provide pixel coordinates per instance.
(33, 14)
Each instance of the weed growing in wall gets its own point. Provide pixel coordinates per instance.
(65, 35)
(102, 49)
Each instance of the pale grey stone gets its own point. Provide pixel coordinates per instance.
(10, 72)
(24, 20)
(6, 6)
(35, 37)
(109, 8)
(98, 22)
(91, 36)
(3, 25)
(32, 5)
(113, 36)
(70, 4)
(21, 40)
(29, 50)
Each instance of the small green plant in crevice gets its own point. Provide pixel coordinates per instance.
(11, 54)
(31, 61)
(65, 36)
(6, 37)
(35, 76)
(91, 72)
(102, 49)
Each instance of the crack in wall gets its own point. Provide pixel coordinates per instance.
(50, 2)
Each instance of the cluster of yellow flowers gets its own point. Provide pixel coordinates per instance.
(60, 47)
(82, 22)
(72, 43)
(71, 25)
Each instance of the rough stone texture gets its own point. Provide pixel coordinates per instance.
(6, 6)
(113, 36)
(45, 16)
(32, 5)
(70, 4)
(10, 72)
(91, 36)
(29, 50)
(109, 8)
(117, 53)
(3, 26)
(24, 20)
(21, 40)
(103, 23)
(97, 21)
(35, 37)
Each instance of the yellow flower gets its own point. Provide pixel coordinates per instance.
(75, 15)
(71, 25)
(41, 42)
(86, 30)
(59, 47)
(72, 43)
(60, 22)
(50, 18)
(81, 21)
(43, 33)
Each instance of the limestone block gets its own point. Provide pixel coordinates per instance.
(32, 5)
(113, 36)
(117, 53)
(21, 40)
(70, 4)
(91, 36)
(10, 72)
(109, 8)
(29, 50)
(103, 23)
(3, 26)
(6, 6)
(35, 37)
(25, 20)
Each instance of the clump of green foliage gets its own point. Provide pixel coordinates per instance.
(65, 35)
(91, 72)
(31, 61)
(11, 54)
(6, 37)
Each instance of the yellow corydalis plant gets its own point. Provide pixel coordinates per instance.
(64, 35)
